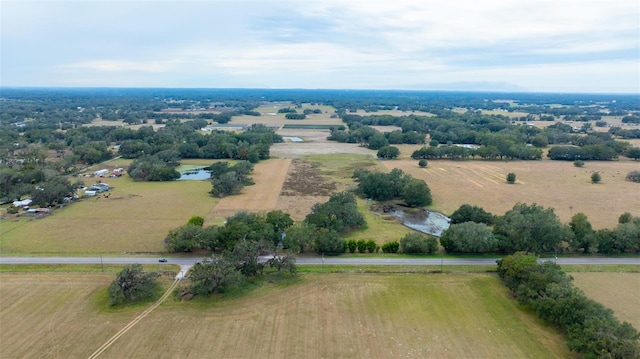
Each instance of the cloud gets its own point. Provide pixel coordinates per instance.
(357, 43)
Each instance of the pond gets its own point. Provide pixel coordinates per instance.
(425, 221)
(195, 174)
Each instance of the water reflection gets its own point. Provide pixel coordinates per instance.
(195, 174)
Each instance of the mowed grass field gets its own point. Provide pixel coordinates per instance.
(618, 291)
(134, 219)
(557, 184)
(316, 316)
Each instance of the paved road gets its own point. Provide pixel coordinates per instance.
(186, 263)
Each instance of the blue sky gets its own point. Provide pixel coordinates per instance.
(507, 45)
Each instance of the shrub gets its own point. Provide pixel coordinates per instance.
(422, 163)
(633, 176)
(351, 245)
(595, 177)
(12, 209)
(362, 245)
(511, 178)
(372, 246)
(578, 163)
(391, 247)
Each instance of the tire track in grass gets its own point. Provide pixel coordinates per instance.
(135, 321)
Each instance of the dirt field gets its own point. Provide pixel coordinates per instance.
(262, 196)
(556, 184)
(315, 144)
(320, 316)
(618, 291)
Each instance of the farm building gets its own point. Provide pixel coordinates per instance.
(99, 187)
(22, 204)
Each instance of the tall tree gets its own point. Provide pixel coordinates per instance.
(133, 284)
(530, 228)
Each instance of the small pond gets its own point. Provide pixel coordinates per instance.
(195, 174)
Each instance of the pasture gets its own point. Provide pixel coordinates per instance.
(134, 219)
(316, 315)
(557, 184)
(618, 291)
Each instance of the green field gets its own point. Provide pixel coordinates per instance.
(134, 219)
(317, 315)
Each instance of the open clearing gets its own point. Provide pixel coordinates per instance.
(557, 184)
(320, 315)
(262, 196)
(618, 291)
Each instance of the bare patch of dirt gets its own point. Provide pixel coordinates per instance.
(304, 179)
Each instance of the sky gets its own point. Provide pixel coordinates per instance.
(585, 46)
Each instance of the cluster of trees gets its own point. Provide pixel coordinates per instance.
(239, 227)
(395, 184)
(535, 229)
(372, 138)
(592, 329)
(229, 180)
(453, 152)
(251, 145)
(321, 231)
(233, 267)
(37, 180)
(155, 168)
(625, 133)
(132, 285)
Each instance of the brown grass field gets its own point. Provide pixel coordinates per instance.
(318, 315)
(556, 184)
(618, 291)
(262, 196)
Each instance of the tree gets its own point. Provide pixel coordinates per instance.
(52, 191)
(583, 234)
(469, 213)
(633, 152)
(183, 239)
(225, 185)
(469, 237)
(511, 178)
(280, 220)
(299, 236)
(388, 152)
(214, 275)
(418, 243)
(626, 217)
(595, 177)
(328, 241)
(416, 193)
(196, 221)
(132, 285)
(633, 176)
(530, 228)
(339, 213)
(422, 163)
